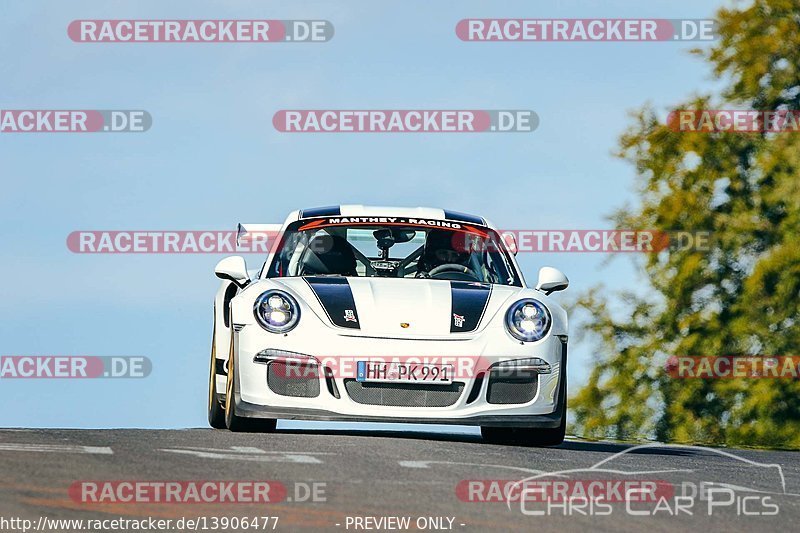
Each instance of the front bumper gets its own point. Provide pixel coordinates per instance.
(253, 398)
(250, 410)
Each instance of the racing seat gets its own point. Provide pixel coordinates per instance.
(328, 254)
(439, 249)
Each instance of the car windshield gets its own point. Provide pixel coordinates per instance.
(418, 249)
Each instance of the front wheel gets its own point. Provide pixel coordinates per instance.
(526, 436)
(238, 423)
(216, 414)
(532, 436)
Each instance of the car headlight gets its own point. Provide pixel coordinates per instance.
(528, 320)
(276, 311)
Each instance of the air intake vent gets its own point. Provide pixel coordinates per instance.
(404, 394)
(512, 388)
(476, 388)
(298, 380)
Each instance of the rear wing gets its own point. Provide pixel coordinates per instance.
(257, 237)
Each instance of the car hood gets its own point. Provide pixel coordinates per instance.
(400, 308)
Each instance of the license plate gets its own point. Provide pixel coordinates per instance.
(375, 371)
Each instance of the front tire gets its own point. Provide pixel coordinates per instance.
(532, 436)
(497, 435)
(526, 436)
(216, 414)
(238, 423)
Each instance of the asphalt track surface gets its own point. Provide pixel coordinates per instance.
(385, 474)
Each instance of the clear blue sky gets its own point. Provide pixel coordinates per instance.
(212, 159)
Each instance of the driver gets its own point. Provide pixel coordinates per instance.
(439, 250)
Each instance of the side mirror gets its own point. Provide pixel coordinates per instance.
(551, 280)
(233, 268)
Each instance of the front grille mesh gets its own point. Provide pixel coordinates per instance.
(505, 389)
(403, 394)
(298, 380)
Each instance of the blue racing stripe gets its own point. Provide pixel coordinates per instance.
(463, 217)
(469, 301)
(336, 298)
(330, 211)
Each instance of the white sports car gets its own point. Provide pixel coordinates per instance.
(391, 315)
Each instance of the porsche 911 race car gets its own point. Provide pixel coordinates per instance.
(409, 315)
